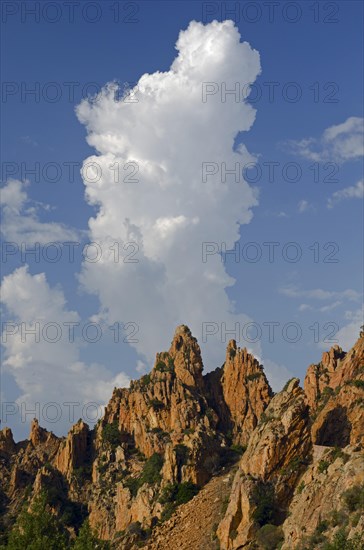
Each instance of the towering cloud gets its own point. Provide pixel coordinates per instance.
(149, 183)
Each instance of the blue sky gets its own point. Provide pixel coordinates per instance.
(319, 60)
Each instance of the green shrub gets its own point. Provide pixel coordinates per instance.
(354, 498)
(156, 430)
(156, 404)
(238, 449)
(322, 526)
(294, 464)
(145, 380)
(338, 517)
(111, 434)
(162, 367)
(178, 493)
(336, 453)
(185, 492)
(168, 510)
(327, 392)
(72, 514)
(225, 504)
(253, 376)
(173, 495)
(88, 540)
(322, 466)
(38, 528)
(151, 470)
(150, 474)
(357, 383)
(182, 454)
(82, 473)
(134, 451)
(135, 528)
(300, 487)
(316, 540)
(341, 542)
(265, 417)
(269, 536)
(355, 518)
(133, 484)
(264, 500)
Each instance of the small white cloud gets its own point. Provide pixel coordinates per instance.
(340, 143)
(353, 192)
(29, 141)
(348, 334)
(320, 294)
(277, 374)
(21, 222)
(330, 307)
(141, 367)
(304, 307)
(304, 206)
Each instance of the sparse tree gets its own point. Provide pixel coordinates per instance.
(37, 529)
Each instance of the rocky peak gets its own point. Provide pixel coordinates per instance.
(175, 427)
(37, 434)
(186, 356)
(331, 359)
(72, 452)
(337, 412)
(239, 391)
(281, 436)
(7, 444)
(323, 374)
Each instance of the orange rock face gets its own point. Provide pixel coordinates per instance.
(73, 450)
(244, 393)
(276, 452)
(176, 428)
(169, 400)
(323, 375)
(7, 444)
(336, 397)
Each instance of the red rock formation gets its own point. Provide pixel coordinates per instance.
(73, 450)
(276, 450)
(240, 392)
(7, 444)
(335, 392)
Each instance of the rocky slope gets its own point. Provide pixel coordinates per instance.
(262, 470)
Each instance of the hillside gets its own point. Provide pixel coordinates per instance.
(187, 460)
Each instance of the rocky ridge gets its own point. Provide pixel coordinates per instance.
(177, 431)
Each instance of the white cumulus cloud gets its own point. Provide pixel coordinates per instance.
(319, 294)
(162, 141)
(339, 143)
(348, 333)
(352, 192)
(21, 223)
(45, 371)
